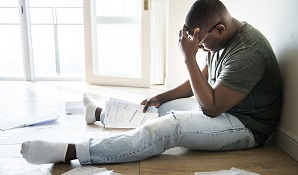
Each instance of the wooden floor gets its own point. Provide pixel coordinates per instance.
(32, 99)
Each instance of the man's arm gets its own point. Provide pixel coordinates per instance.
(182, 91)
(213, 100)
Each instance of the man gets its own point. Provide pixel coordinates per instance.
(236, 104)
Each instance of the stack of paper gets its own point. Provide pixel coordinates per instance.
(122, 114)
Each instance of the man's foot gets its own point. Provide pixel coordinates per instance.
(89, 110)
(41, 152)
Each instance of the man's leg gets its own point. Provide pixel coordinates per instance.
(189, 129)
(182, 104)
(153, 138)
(224, 132)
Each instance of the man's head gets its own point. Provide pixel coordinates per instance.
(207, 15)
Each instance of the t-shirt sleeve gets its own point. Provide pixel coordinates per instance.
(243, 71)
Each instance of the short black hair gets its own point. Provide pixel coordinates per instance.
(205, 12)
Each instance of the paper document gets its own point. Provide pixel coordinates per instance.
(232, 171)
(89, 170)
(23, 122)
(123, 114)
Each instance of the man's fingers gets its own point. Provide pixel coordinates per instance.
(144, 102)
(182, 33)
(184, 30)
(146, 107)
(196, 35)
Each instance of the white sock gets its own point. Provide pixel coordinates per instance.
(41, 152)
(89, 109)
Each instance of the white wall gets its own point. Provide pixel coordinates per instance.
(175, 69)
(277, 20)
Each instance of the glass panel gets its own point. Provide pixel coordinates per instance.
(58, 50)
(71, 49)
(9, 3)
(56, 3)
(117, 8)
(43, 50)
(69, 15)
(9, 15)
(11, 59)
(41, 16)
(118, 51)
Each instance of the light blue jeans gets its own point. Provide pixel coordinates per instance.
(181, 124)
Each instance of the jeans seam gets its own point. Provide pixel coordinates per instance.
(217, 132)
(230, 121)
(244, 139)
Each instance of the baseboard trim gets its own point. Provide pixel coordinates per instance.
(286, 141)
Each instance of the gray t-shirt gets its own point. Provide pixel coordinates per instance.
(248, 64)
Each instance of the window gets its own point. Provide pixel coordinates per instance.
(118, 38)
(117, 42)
(57, 33)
(11, 57)
(53, 39)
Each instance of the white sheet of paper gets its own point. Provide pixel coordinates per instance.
(88, 170)
(232, 171)
(151, 109)
(37, 172)
(121, 114)
(23, 122)
(243, 171)
(221, 172)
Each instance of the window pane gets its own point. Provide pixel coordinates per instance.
(69, 15)
(8, 3)
(11, 59)
(58, 49)
(56, 3)
(41, 15)
(9, 15)
(117, 8)
(71, 49)
(43, 50)
(118, 50)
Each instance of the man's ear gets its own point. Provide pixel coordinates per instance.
(220, 28)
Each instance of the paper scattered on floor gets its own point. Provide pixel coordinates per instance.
(30, 121)
(232, 171)
(37, 172)
(89, 170)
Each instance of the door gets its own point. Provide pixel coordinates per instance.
(117, 42)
